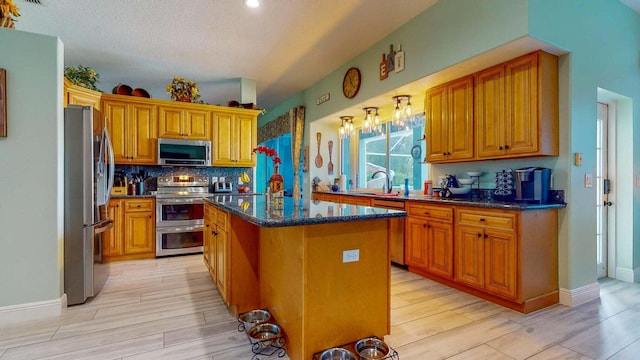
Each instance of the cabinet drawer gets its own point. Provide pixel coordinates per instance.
(388, 204)
(444, 213)
(487, 219)
(221, 219)
(138, 205)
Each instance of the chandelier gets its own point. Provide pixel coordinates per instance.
(371, 123)
(346, 127)
(402, 113)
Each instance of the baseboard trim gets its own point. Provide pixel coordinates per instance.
(627, 275)
(33, 311)
(581, 295)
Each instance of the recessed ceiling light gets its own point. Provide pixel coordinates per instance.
(252, 3)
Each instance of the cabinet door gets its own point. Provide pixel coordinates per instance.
(139, 234)
(245, 137)
(221, 263)
(522, 105)
(116, 113)
(170, 121)
(500, 263)
(436, 125)
(469, 256)
(197, 124)
(112, 239)
(489, 112)
(440, 249)
(209, 225)
(416, 242)
(222, 133)
(460, 122)
(143, 134)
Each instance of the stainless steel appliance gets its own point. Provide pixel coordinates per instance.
(532, 185)
(88, 179)
(184, 152)
(180, 214)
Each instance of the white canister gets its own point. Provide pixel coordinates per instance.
(343, 182)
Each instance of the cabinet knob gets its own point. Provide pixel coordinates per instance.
(426, 213)
(479, 235)
(506, 147)
(207, 225)
(444, 154)
(500, 147)
(482, 220)
(486, 236)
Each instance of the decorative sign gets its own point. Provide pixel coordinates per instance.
(391, 62)
(3, 102)
(322, 99)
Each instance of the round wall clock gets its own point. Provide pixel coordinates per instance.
(351, 82)
(416, 151)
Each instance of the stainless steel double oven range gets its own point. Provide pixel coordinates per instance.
(180, 214)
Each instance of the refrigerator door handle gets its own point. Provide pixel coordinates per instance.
(102, 226)
(112, 166)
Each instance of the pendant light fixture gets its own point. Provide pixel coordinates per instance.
(402, 112)
(346, 127)
(371, 122)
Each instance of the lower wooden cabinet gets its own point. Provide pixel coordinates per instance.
(133, 233)
(216, 247)
(429, 239)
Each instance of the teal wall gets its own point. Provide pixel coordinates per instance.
(602, 42)
(31, 174)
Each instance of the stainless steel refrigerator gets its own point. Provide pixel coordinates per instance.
(88, 179)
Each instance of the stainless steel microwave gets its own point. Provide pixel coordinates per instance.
(180, 152)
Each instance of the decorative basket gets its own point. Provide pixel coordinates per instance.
(6, 21)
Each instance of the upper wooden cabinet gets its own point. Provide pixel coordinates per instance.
(74, 94)
(132, 127)
(234, 138)
(449, 121)
(516, 111)
(178, 122)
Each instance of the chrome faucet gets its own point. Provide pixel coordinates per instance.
(387, 182)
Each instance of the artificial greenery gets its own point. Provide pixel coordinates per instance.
(182, 89)
(82, 76)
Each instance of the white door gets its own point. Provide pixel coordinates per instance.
(603, 188)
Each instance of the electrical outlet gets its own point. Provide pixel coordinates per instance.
(588, 180)
(351, 255)
(240, 180)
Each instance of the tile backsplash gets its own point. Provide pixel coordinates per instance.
(230, 174)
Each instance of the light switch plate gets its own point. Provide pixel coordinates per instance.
(351, 255)
(588, 180)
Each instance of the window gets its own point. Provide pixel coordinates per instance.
(390, 152)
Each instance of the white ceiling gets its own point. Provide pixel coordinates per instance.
(285, 45)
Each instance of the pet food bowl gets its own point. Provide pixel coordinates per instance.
(337, 354)
(253, 317)
(372, 348)
(263, 334)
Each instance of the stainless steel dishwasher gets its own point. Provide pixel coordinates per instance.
(396, 229)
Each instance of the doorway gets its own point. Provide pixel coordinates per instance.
(603, 190)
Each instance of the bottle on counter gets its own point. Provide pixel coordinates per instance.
(406, 187)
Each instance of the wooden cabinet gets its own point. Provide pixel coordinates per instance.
(511, 257)
(449, 121)
(216, 247)
(516, 108)
(179, 122)
(133, 131)
(429, 239)
(77, 95)
(234, 138)
(133, 233)
(355, 200)
(396, 229)
(486, 251)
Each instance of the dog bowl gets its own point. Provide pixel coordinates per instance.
(337, 354)
(372, 348)
(263, 334)
(253, 317)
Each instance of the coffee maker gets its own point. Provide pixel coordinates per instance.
(532, 185)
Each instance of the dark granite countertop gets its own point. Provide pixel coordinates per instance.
(461, 201)
(253, 208)
(133, 196)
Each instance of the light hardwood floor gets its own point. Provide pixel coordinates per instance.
(169, 309)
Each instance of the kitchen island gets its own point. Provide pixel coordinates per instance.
(321, 269)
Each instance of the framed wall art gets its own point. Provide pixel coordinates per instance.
(3, 102)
